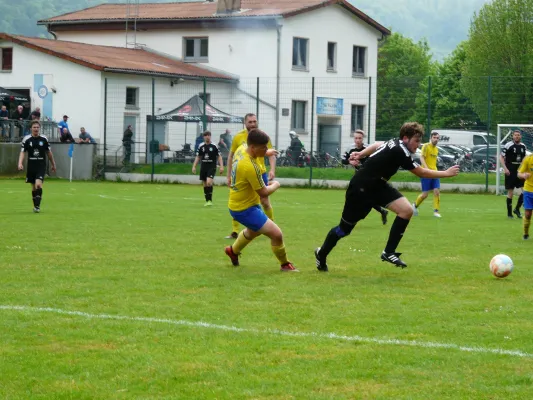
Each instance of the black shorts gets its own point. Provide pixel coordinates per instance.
(512, 180)
(361, 196)
(35, 173)
(207, 171)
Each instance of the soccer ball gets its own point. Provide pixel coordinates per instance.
(501, 266)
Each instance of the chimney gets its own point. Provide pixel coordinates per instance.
(228, 6)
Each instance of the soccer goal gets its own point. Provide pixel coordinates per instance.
(505, 132)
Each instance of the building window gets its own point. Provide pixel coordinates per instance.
(205, 97)
(132, 97)
(298, 115)
(7, 58)
(358, 63)
(196, 49)
(358, 117)
(300, 53)
(332, 56)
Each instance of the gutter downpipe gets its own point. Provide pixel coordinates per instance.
(50, 31)
(278, 82)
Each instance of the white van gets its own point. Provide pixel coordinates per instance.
(465, 138)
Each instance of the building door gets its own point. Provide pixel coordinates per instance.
(159, 136)
(329, 139)
(132, 120)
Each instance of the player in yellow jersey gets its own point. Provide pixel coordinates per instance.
(250, 122)
(428, 158)
(246, 188)
(526, 172)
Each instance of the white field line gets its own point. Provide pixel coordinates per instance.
(332, 336)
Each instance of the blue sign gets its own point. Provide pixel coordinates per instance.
(42, 91)
(329, 106)
(71, 150)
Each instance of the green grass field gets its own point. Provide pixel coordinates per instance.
(122, 291)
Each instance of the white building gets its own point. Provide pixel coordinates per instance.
(284, 43)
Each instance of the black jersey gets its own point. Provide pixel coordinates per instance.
(37, 147)
(208, 153)
(385, 162)
(346, 157)
(513, 154)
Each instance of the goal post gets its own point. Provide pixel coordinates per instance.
(504, 130)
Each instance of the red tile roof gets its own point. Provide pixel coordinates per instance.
(116, 59)
(205, 10)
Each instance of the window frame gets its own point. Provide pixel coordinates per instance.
(197, 49)
(136, 105)
(304, 67)
(356, 61)
(353, 123)
(334, 67)
(303, 128)
(3, 57)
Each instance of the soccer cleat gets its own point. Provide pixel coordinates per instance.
(526, 237)
(288, 267)
(517, 213)
(232, 235)
(415, 210)
(320, 264)
(36, 210)
(436, 214)
(384, 214)
(510, 216)
(208, 203)
(393, 258)
(233, 257)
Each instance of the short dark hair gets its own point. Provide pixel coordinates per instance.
(248, 115)
(207, 133)
(257, 137)
(411, 129)
(434, 133)
(517, 130)
(35, 122)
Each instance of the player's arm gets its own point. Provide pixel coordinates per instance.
(429, 173)
(229, 164)
(52, 161)
(272, 161)
(423, 157)
(221, 164)
(195, 163)
(21, 160)
(268, 190)
(366, 152)
(345, 160)
(502, 162)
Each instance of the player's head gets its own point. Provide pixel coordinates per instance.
(257, 142)
(517, 136)
(35, 128)
(434, 138)
(207, 137)
(250, 121)
(411, 135)
(358, 137)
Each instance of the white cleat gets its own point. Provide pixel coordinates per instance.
(415, 210)
(437, 215)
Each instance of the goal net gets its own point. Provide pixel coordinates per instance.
(505, 134)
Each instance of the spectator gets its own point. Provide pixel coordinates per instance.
(226, 136)
(66, 136)
(295, 146)
(223, 148)
(63, 124)
(127, 141)
(35, 114)
(19, 116)
(85, 137)
(199, 141)
(4, 116)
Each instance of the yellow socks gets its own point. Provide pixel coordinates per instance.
(527, 222)
(280, 253)
(234, 226)
(436, 203)
(269, 213)
(240, 243)
(419, 200)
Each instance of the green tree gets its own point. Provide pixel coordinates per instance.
(500, 45)
(403, 66)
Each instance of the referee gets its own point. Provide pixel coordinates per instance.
(37, 147)
(511, 157)
(208, 153)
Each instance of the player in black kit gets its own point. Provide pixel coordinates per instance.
(208, 153)
(357, 147)
(369, 187)
(511, 157)
(37, 147)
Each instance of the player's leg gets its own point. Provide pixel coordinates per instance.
(519, 185)
(356, 207)
(436, 197)
(253, 219)
(38, 190)
(272, 231)
(398, 204)
(426, 187)
(209, 187)
(383, 213)
(265, 201)
(528, 207)
(509, 185)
